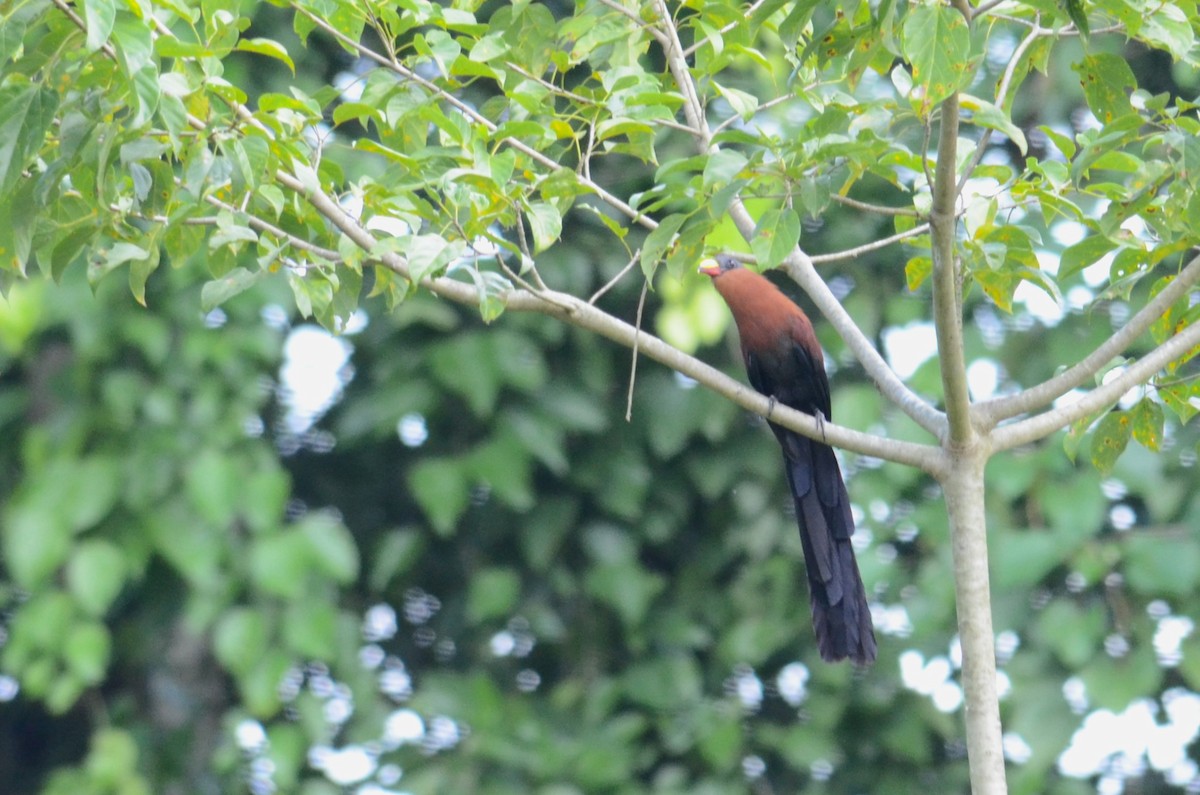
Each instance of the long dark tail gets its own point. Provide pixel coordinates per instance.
(841, 617)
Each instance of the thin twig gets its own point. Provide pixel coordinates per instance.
(613, 281)
(873, 208)
(641, 23)
(637, 333)
(1001, 96)
(770, 103)
(851, 253)
(749, 12)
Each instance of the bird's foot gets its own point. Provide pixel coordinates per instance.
(770, 405)
(820, 418)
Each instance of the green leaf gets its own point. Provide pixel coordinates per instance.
(240, 638)
(937, 42)
(1072, 632)
(1182, 398)
(1107, 80)
(493, 594)
(310, 629)
(1064, 142)
(86, 651)
(985, 114)
(95, 575)
(440, 487)
(396, 554)
(280, 563)
(140, 270)
(1077, 14)
(259, 687)
(775, 237)
(658, 241)
(722, 168)
(268, 47)
(1161, 566)
(429, 254)
(1084, 253)
(218, 291)
(625, 587)
(665, 683)
(545, 222)
(99, 15)
(333, 547)
(466, 365)
(110, 258)
(212, 482)
(26, 113)
(917, 270)
(36, 542)
(504, 467)
(1112, 684)
(1147, 418)
(1109, 440)
(744, 104)
(1167, 26)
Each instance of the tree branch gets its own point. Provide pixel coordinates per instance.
(883, 242)
(947, 285)
(991, 412)
(1046, 423)
(579, 313)
(873, 208)
(693, 108)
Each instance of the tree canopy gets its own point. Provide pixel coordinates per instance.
(515, 553)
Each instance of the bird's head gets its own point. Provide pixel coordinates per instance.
(715, 266)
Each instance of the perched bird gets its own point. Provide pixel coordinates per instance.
(785, 363)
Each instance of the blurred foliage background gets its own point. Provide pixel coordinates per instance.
(468, 572)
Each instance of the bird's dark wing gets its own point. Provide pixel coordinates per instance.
(757, 373)
(812, 383)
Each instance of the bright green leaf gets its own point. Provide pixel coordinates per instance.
(240, 637)
(441, 489)
(86, 651)
(272, 49)
(95, 575)
(658, 241)
(493, 594)
(99, 16)
(937, 42)
(775, 237)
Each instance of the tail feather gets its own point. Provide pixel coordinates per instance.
(841, 616)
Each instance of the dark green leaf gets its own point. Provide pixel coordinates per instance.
(95, 575)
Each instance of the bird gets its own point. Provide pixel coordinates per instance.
(784, 362)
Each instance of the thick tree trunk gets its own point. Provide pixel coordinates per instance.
(964, 492)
